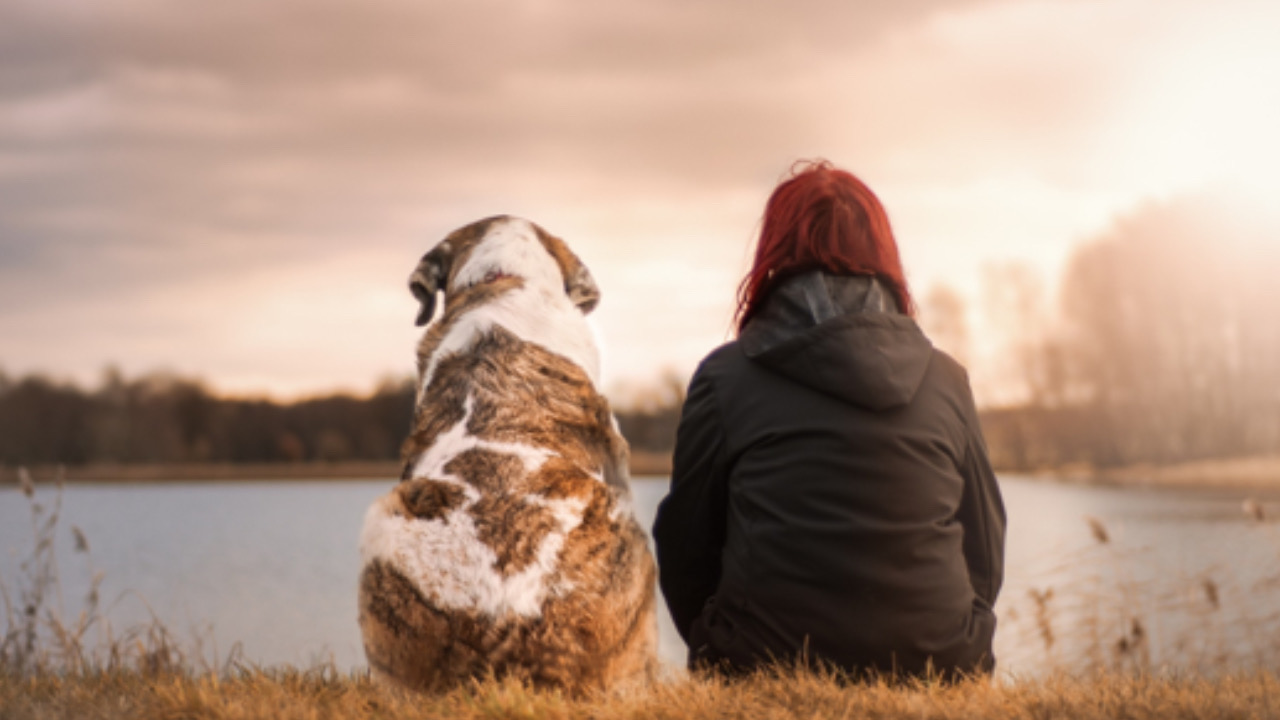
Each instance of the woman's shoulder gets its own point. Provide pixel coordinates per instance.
(949, 367)
(949, 379)
(726, 353)
(721, 371)
(724, 361)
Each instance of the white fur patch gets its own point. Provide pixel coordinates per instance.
(445, 558)
(539, 312)
(447, 562)
(448, 445)
(511, 246)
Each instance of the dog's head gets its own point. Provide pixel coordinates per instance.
(498, 247)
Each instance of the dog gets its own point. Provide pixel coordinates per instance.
(509, 547)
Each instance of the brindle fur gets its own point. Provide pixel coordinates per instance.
(570, 646)
(428, 499)
(502, 373)
(600, 633)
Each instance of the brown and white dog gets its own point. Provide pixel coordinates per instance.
(509, 546)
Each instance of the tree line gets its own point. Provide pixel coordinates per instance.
(163, 418)
(1163, 345)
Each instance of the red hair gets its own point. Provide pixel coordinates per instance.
(822, 218)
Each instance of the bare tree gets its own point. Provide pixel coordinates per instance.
(944, 318)
(1168, 335)
(1017, 312)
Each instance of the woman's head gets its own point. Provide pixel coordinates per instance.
(822, 218)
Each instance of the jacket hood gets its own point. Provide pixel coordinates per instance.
(842, 335)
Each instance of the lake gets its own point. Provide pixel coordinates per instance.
(1184, 578)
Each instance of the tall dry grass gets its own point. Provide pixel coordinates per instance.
(1108, 607)
(286, 694)
(42, 638)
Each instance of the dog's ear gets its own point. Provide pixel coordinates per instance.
(578, 283)
(581, 287)
(430, 277)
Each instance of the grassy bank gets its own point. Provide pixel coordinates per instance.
(289, 693)
(1260, 472)
(1255, 472)
(179, 472)
(642, 464)
(1247, 473)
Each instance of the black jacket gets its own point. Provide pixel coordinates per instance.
(831, 496)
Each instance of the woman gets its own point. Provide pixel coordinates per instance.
(831, 497)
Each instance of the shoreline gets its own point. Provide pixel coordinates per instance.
(1254, 472)
(148, 473)
(1243, 473)
(642, 464)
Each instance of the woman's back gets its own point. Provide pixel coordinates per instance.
(846, 463)
(831, 497)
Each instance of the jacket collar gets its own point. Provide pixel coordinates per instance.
(841, 335)
(809, 299)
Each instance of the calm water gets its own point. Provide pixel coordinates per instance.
(273, 566)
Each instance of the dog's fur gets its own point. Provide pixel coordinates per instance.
(510, 546)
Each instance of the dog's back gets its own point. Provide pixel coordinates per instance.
(510, 546)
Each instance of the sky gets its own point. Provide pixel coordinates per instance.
(238, 190)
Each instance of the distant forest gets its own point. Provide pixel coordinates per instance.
(162, 418)
(1163, 345)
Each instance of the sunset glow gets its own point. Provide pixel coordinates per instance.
(238, 192)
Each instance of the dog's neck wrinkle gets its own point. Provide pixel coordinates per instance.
(460, 301)
(491, 277)
(546, 320)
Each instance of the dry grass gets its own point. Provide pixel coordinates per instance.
(42, 638)
(1103, 609)
(320, 694)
